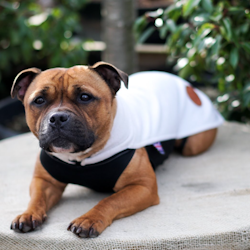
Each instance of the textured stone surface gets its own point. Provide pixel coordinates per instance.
(205, 201)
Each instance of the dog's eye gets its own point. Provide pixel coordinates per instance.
(39, 100)
(85, 97)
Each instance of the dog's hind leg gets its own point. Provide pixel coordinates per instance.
(198, 143)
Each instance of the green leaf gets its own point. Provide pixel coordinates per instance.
(247, 87)
(217, 14)
(15, 38)
(216, 46)
(207, 5)
(173, 12)
(56, 12)
(189, 6)
(197, 40)
(140, 24)
(174, 37)
(236, 10)
(205, 29)
(201, 19)
(246, 99)
(246, 46)
(163, 31)
(171, 25)
(146, 34)
(228, 29)
(185, 72)
(216, 17)
(221, 84)
(234, 57)
(244, 28)
(201, 45)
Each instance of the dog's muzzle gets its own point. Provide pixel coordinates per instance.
(64, 131)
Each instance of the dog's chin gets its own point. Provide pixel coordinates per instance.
(60, 150)
(59, 145)
(64, 147)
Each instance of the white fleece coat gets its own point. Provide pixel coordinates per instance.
(156, 107)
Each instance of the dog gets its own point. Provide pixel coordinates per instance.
(96, 132)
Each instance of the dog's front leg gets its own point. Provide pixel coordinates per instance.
(136, 189)
(45, 192)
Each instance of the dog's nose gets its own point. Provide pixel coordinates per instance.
(58, 120)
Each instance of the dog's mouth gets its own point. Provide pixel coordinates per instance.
(57, 145)
(64, 144)
(61, 145)
(61, 135)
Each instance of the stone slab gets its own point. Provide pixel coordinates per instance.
(205, 201)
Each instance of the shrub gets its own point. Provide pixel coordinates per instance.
(31, 36)
(209, 42)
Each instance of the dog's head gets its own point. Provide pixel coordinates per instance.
(69, 110)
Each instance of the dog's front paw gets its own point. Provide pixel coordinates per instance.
(87, 226)
(27, 222)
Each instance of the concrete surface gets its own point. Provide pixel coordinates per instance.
(205, 201)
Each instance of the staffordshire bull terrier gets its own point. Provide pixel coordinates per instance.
(96, 132)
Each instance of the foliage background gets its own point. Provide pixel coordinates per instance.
(207, 42)
(34, 36)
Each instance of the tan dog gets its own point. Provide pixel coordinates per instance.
(72, 111)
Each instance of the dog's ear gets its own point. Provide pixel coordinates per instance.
(111, 75)
(22, 82)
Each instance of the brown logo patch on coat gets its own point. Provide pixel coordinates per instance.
(193, 96)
